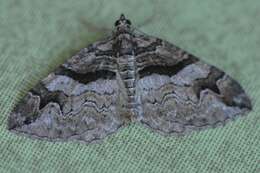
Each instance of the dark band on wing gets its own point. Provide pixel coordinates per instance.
(47, 96)
(167, 70)
(86, 78)
(105, 53)
(152, 47)
(232, 94)
(208, 83)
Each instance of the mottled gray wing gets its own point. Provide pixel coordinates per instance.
(179, 93)
(97, 56)
(79, 101)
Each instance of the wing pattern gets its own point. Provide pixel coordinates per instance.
(74, 102)
(128, 77)
(180, 93)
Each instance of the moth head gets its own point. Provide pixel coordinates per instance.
(123, 24)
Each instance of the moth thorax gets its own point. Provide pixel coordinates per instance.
(126, 44)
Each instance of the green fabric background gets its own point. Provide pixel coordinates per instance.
(36, 36)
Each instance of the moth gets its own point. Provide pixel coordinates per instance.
(128, 77)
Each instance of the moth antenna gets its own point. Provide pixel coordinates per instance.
(139, 31)
(152, 17)
(94, 28)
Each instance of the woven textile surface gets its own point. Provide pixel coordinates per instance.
(36, 36)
